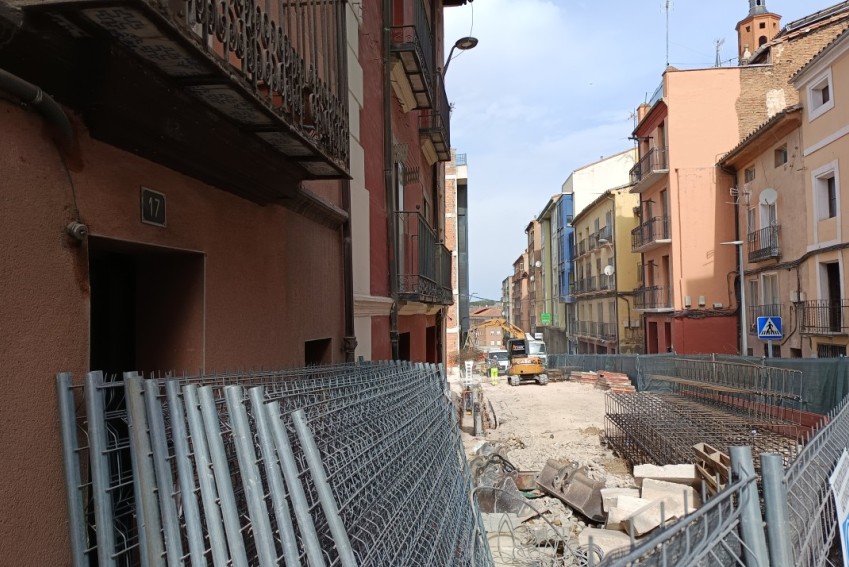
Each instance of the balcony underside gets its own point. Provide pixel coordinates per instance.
(648, 180)
(651, 245)
(143, 84)
(415, 74)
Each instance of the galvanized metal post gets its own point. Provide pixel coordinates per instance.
(751, 522)
(227, 498)
(151, 547)
(312, 546)
(325, 494)
(206, 478)
(103, 510)
(185, 475)
(276, 485)
(73, 481)
(777, 510)
(251, 481)
(162, 468)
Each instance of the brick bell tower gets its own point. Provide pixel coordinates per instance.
(756, 29)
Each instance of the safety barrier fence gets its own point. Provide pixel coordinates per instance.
(358, 464)
(797, 523)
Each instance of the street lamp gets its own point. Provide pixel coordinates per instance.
(744, 330)
(463, 44)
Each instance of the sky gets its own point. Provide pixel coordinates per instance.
(552, 86)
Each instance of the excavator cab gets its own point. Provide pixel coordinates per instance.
(522, 364)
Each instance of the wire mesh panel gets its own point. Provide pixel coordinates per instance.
(218, 462)
(709, 536)
(813, 516)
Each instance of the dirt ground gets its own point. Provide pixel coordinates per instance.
(561, 420)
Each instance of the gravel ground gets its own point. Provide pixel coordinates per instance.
(562, 421)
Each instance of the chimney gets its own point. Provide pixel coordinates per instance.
(642, 110)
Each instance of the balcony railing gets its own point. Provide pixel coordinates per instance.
(413, 46)
(653, 162)
(424, 265)
(654, 298)
(597, 330)
(241, 95)
(824, 317)
(650, 234)
(768, 310)
(435, 124)
(763, 244)
(605, 234)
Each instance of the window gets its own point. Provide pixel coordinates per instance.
(830, 351)
(749, 175)
(826, 188)
(820, 98)
(770, 290)
(781, 156)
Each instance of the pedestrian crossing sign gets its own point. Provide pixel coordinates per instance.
(769, 328)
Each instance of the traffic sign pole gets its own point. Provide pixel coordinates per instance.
(769, 348)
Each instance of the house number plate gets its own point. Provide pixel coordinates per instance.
(152, 207)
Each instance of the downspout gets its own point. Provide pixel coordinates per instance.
(350, 339)
(731, 172)
(613, 241)
(387, 176)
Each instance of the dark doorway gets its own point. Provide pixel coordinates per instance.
(431, 353)
(652, 338)
(404, 346)
(317, 352)
(835, 303)
(667, 329)
(146, 308)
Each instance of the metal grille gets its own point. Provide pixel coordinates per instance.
(357, 464)
(812, 513)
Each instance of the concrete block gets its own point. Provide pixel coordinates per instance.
(609, 496)
(607, 540)
(647, 518)
(678, 498)
(625, 507)
(685, 473)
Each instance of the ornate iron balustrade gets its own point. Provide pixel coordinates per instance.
(424, 264)
(604, 233)
(768, 310)
(763, 244)
(582, 247)
(435, 124)
(275, 70)
(654, 161)
(653, 297)
(824, 317)
(413, 45)
(652, 231)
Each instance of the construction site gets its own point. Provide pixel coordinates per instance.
(614, 461)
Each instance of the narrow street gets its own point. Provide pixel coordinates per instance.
(561, 421)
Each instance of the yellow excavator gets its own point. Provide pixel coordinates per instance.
(522, 365)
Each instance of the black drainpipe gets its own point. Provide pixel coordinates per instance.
(33, 97)
(387, 176)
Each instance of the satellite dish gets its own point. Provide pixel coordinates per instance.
(768, 197)
(608, 270)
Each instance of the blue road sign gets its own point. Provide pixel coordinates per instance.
(769, 328)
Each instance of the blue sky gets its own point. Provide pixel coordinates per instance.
(552, 86)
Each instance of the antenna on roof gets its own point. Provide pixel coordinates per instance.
(666, 6)
(719, 43)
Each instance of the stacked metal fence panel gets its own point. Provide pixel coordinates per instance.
(356, 464)
(812, 513)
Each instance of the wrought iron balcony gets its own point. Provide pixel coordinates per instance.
(763, 244)
(755, 311)
(606, 282)
(435, 125)
(606, 234)
(220, 91)
(824, 317)
(650, 167)
(424, 264)
(582, 247)
(596, 330)
(412, 44)
(651, 234)
(654, 298)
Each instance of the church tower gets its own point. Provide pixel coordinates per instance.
(756, 29)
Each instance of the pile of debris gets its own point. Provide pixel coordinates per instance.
(583, 377)
(616, 382)
(565, 513)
